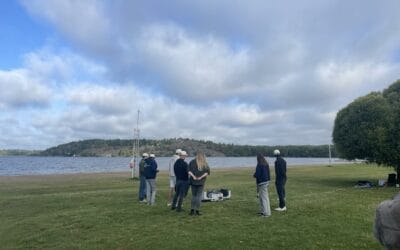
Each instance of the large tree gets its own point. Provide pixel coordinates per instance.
(369, 128)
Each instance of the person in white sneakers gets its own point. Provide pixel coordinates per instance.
(172, 178)
(280, 180)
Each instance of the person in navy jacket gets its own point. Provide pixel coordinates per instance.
(262, 179)
(150, 172)
(280, 181)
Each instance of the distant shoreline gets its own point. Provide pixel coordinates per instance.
(162, 172)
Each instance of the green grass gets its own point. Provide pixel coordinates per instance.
(101, 211)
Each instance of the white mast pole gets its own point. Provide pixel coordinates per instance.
(330, 155)
(135, 148)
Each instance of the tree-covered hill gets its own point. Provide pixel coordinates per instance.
(18, 152)
(166, 147)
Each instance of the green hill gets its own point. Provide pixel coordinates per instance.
(166, 147)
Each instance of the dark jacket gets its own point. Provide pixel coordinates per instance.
(262, 174)
(150, 168)
(280, 170)
(196, 172)
(181, 170)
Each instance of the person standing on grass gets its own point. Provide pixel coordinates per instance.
(172, 177)
(182, 181)
(150, 172)
(198, 172)
(142, 178)
(262, 179)
(280, 181)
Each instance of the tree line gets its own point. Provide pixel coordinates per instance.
(166, 147)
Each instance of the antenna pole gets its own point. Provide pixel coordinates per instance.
(330, 154)
(135, 147)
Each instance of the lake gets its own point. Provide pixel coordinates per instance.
(35, 165)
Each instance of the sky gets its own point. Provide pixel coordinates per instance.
(243, 72)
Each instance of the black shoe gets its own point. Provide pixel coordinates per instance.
(191, 212)
(198, 212)
(173, 208)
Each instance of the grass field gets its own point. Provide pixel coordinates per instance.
(101, 211)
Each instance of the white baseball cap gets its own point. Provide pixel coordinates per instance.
(183, 153)
(277, 152)
(178, 151)
(152, 155)
(145, 155)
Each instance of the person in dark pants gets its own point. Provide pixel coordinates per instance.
(280, 180)
(150, 172)
(142, 185)
(182, 181)
(198, 172)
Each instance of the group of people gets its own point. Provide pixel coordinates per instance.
(262, 176)
(183, 175)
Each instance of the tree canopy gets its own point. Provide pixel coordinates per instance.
(369, 128)
(166, 147)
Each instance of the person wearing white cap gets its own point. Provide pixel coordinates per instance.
(172, 178)
(280, 180)
(182, 181)
(150, 172)
(142, 178)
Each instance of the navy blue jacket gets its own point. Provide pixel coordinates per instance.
(150, 168)
(280, 170)
(262, 174)
(181, 170)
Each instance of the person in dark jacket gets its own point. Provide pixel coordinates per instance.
(150, 172)
(198, 172)
(142, 183)
(262, 179)
(182, 181)
(280, 181)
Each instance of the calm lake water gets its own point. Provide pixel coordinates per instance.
(26, 165)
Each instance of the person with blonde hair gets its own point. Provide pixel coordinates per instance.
(198, 172)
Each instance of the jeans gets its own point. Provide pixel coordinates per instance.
(197, 195)
(142, 188)
(151, 191)
(181, 189)
(265, 207)
(280, 188)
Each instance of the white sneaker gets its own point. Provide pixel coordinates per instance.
(143, 201)
(280, 209)
(169, 204)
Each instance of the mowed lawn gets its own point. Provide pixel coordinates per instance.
(101, 211)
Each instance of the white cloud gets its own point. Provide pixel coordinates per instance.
(219, 70)
(19, 89)
(104, 100)
(195, 68)
(84, 22)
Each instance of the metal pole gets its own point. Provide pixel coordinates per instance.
(135, 148)
(330, 155)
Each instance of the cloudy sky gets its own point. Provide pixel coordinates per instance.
(242, 72)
